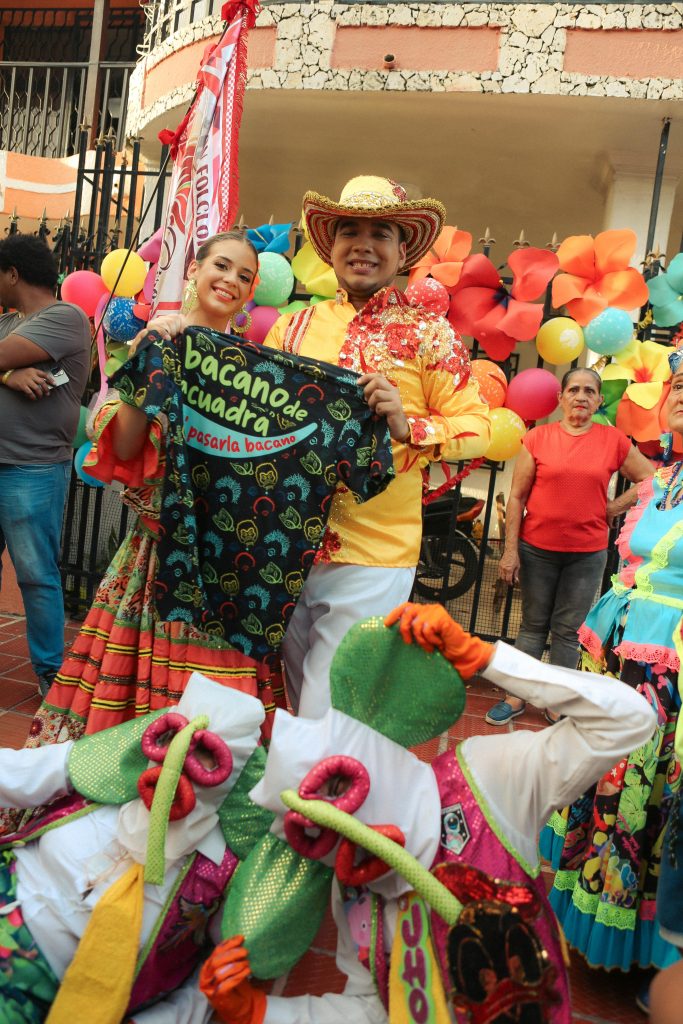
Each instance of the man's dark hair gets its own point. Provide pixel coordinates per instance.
(33, 261)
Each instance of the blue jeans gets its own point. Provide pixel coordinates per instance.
(558, 589)
(32, 500)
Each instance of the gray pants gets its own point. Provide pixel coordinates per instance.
(558, 589)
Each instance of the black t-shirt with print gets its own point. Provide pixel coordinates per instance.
(257, 443)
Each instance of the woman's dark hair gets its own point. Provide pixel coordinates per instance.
(581, 369)
(225, 236)
(33, 261)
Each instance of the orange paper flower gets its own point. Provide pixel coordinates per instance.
(444, 260)
(597, 275)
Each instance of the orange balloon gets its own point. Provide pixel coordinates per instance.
(492, 382)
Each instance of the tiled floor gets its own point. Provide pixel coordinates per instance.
(598, 997)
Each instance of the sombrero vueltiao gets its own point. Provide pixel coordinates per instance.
(369, 196)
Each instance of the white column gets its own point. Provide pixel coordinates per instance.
(629, 198)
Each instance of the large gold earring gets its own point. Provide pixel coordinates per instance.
(190, 299)
(240, 322)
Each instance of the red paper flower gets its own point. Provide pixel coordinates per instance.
(444, 261)
(482, 306)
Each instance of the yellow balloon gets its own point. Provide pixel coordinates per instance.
(560, 340)
(132, 276)
(507, 431)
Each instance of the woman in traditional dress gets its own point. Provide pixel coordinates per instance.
(607, 845)
(125, 661)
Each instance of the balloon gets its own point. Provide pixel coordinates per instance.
(99, 309)
(120, 322)
(132, 276)
(151, 249)
(507, 431)
(560, 340)
(81, 436)
(79, 458)
(277, 280)
(262, 319)
(492, 382)
(148, 284)
(533, 394)
(609, 332)
(85, 289)
(430, 294)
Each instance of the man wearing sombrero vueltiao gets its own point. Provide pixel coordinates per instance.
(415, 371)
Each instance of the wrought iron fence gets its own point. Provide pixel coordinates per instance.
(43, 104)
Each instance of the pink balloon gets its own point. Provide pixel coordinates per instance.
(262, 319)
(533, 394)
(148, 286)
(151, 249)
(83, 288)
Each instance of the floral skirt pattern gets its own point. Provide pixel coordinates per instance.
(27, 982)
(607, 846)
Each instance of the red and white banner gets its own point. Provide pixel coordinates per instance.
(204, 189)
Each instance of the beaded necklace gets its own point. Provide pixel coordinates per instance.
(674, 481)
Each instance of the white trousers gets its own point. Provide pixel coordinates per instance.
(333, 598)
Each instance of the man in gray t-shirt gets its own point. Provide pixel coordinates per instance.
(44, 363)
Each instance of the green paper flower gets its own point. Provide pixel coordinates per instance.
(612, 390)
(666, 294)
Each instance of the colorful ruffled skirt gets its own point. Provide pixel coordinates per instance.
(125, 662)
(607, 846)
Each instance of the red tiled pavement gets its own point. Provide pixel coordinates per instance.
(598, 997)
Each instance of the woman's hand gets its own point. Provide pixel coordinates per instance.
(167, 326)
(384, 400)
(508, 567)
(30, 382)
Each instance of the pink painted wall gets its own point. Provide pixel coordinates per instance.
(182, 65)
(625, 53)
(417, 49)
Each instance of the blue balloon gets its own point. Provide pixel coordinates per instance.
(79, 458)
(120, 322)
(610, 332)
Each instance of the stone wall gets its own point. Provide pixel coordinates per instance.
(610, 49)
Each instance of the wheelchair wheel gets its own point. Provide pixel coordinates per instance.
(436, 580)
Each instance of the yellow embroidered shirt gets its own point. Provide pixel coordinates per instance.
(423, 357)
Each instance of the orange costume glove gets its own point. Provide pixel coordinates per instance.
(430, 626)
(223, 980)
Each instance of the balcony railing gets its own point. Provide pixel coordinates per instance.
(42, 105)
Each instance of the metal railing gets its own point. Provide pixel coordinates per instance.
(42, 105)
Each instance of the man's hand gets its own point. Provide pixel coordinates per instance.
(508, 567)
(223, 980)
(384, 400)
(432, 628)
(30, 382)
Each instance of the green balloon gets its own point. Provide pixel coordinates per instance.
(276, 280)
(81, 436)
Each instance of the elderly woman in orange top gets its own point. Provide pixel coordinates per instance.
(416, 373)
(558, 549)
